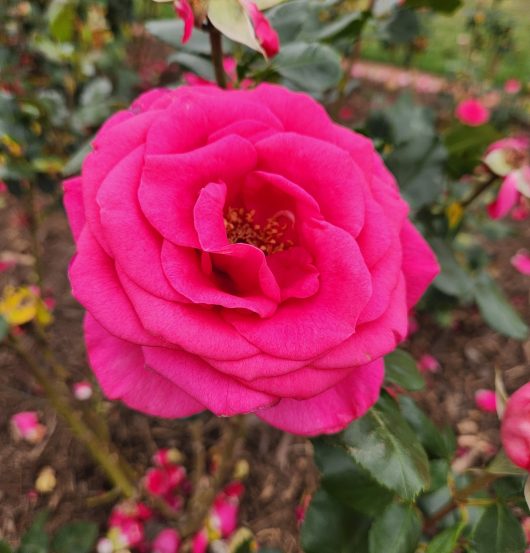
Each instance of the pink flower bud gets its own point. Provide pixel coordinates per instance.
(266, 35)
(156, 481)
(472, 112)
(26, 427)
(132, 532)
(428, 363)
(200, 542)
(486, 401)
(301, 509)
(167, 541)
(521, 261)
(164, 457)
(185, 12)
(515, 430)
(512, 86)
(82, 390)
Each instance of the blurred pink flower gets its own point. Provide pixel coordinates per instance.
(3, 187)
(346, 113)
(428, 363)
(509, 158)
(167, 541)
(512, 86)
(515, 430)
(521, 261)
(26, 426)
(521, 212)
(82, 390)
(486, 401)
(184, 11)
(472, 112)
(200, 542)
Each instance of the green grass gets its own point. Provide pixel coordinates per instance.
(445, 56)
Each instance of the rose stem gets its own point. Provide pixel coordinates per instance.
(460, 497)
(482, 187)
(203, 497)
(217, 55)
(103, 453)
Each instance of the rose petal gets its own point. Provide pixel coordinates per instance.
(73, 204)
(507, 198)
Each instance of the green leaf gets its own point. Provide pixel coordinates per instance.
(402, 27)
(452, 280)
(4, 328)
(313, 67)
(499, 531)
(5, 547)
(35, 540)
(503, 466)
(290, 19)
(397, 530)
(430, 436)
(349, 25)
(75, 162)
(61, 16)
(347, 482)
(401, 369)
(496, 309)
(76, 536)
(199, 65)
(329, 527)
(384, 444)
(446, 541)
(231, 18)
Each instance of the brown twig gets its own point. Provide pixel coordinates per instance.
(217, 55)
(479, 190)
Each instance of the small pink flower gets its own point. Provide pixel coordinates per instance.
(472, 112)
(165, 457)
(512, 86)
(200, 542)
(266, 35)
(167, 541)
(6, 265)
(82, 390)
(428, 363)
(224, 515)
(515, 430)
(521, 261)
(156, 481)
(26, 426)
(486, 401)
(184, 11)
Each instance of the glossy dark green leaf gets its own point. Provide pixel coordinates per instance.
(402, 27)
(431, 437)
(316, 67)
(499, 531)
(401, 369)
(497, 310)
(76, 536)
(384, 444)
(397, 530)
(330, 527)
(346, 481)
(446, 541)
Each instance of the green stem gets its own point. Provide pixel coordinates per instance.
(459, 498)
(479, 190)
(217, 55)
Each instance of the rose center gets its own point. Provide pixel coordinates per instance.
(269, 237)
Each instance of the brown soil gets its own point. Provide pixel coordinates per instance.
(281, 470)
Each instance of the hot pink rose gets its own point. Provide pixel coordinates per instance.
(515, 431)
(239, 252)
(472, 112)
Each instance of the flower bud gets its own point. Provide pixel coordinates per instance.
(82, 390)
(26, 427)
(486, 401)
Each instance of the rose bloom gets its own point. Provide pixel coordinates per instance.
(472, 112)
(515, 430)
(239, 252)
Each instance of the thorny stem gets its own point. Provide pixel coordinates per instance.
(203, 497)
(217, 55)
(102, 453)
(460, 498)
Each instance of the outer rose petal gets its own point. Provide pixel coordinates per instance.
(507, 198)
(419, 263)
(332, 410)
(73, 203)
(184, 11)
(266, 35)
(122, 373)
(515, 430)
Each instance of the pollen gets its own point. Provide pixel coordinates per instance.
(241, 228)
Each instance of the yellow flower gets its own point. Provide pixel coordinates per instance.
(454, 213)
(23, 304)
